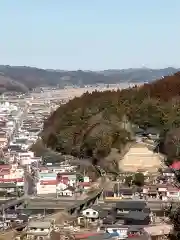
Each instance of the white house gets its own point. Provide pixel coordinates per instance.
(90, 213)
(68, 192)
(61, 186)
(39, 229)
(173, 193)
(168, 172)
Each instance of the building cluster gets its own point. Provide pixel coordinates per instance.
(61, 181)
(9, 117)
(21, 121)
(119, 211)
(126, 219)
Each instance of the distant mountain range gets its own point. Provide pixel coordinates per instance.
(22, 79)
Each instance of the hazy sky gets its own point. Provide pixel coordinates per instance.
(90, 34)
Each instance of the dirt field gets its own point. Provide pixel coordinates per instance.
(139, 157)
(7, 235)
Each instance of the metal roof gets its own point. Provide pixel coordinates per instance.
(39, 224)
(7, 185)
(131, 204)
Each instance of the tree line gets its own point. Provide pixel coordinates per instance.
(92, 124)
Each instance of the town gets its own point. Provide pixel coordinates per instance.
(47, 196)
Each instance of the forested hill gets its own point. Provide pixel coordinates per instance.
(95, 123)
(24, 78)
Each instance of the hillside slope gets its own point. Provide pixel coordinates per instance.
(140, 74)
(9, 84)
(29, 77)
(90, 126)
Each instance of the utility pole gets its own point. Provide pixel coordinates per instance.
(118, 187)
(26, 184)
(97, 200)
(84, 172)
(44, 212)
(3, 216)
(76, 190)
(36, 176)
(57, 193)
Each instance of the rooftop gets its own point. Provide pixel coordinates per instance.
(39, 224)
(131, 204)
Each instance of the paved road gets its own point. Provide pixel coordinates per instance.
(29, 183)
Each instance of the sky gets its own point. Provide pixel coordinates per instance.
(90, 34)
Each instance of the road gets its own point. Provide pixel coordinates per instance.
(19, 122)
(29, 183)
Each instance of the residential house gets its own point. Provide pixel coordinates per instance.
(138, 233)
(39, 229)
(90, 213)
(61, 186)
(11, 172)
(67, 192)
(152, 133)
(168, 172)
(4, 174)
(152, 191)
(70, 175)
(47, 176)
(124, 193)
(162, 191)
(3, 138)
(118, 231)
(5, 167)
(126, 232)
(173, 192)
(14, 147)
(25, 157)
(59, 168)
(8, 187)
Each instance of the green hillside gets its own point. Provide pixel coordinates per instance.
(93, 124)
